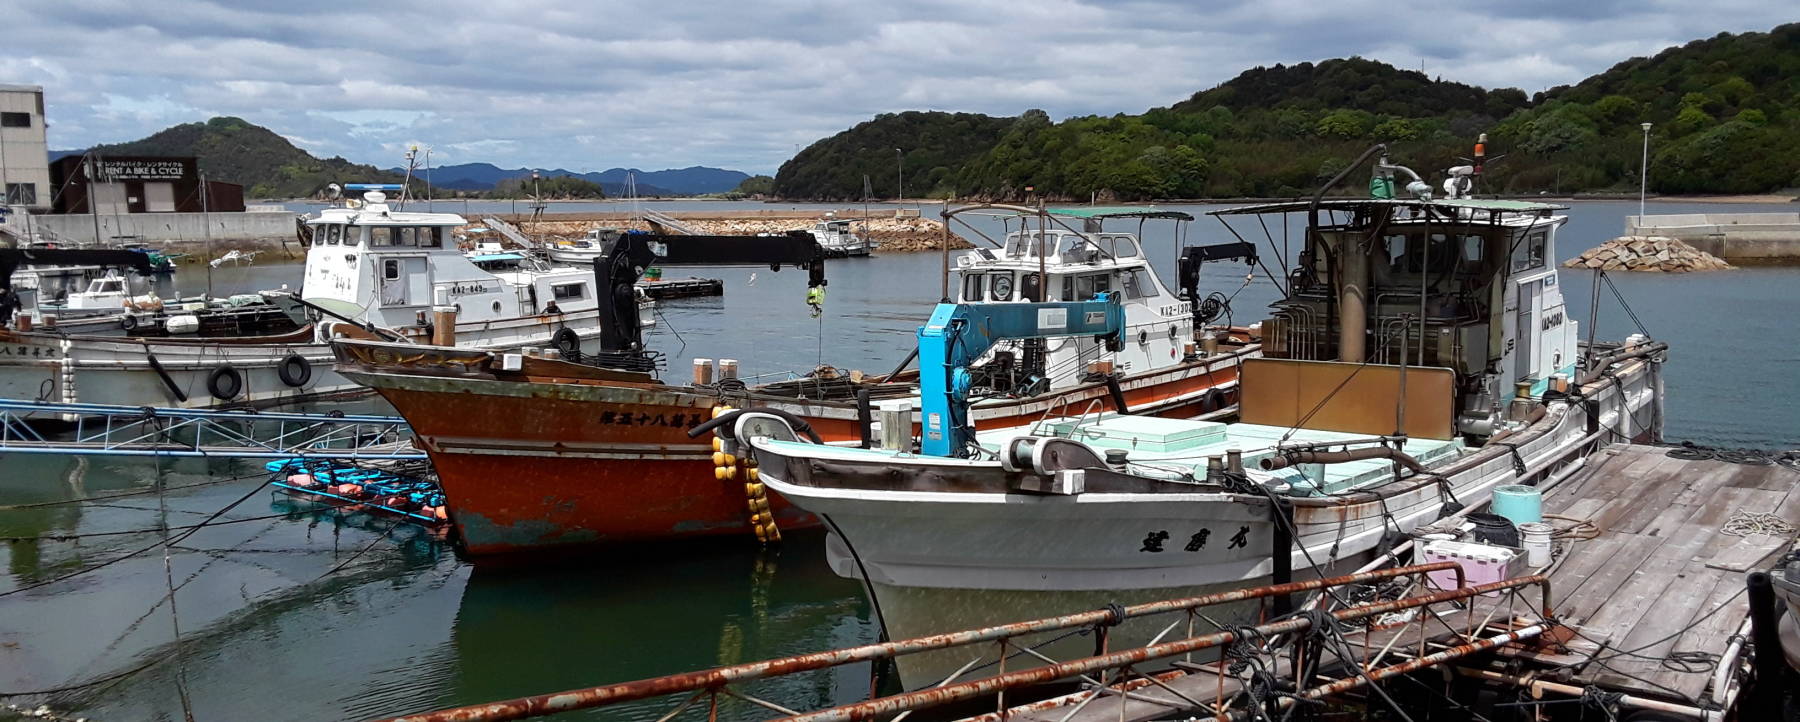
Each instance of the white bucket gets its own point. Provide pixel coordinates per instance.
(1536, 540)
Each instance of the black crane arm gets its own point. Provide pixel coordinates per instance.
(618, 269)
(1187, 268)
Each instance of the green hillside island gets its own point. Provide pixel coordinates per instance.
(1726, 112)
(234, 150)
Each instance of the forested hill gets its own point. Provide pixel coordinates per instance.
(234, 150)
(1724, 109)
(935, 145)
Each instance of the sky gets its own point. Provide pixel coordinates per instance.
(629, 83)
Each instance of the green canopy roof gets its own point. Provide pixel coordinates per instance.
(1476, 204)
(1104, 212)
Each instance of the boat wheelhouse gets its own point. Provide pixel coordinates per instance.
(840, 239)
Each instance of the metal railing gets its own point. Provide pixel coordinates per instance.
(1107, 673)
(112, 430)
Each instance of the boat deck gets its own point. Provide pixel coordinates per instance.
(1651, 581)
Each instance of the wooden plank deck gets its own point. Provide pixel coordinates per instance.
(1661, 577)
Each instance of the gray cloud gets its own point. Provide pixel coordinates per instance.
(589, 85)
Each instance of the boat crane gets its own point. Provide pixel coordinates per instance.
(960, 333)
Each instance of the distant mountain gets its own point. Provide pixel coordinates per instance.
(57, 155)
(693, 180)
(234, 150)
(697, 180)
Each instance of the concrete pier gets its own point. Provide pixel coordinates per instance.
(1739, 238)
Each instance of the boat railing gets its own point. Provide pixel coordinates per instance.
(1062, 402)
(1389, 635)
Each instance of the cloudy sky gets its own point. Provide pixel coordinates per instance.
(592, 85)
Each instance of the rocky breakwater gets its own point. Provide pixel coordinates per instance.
(1653, 254)
(896, 235)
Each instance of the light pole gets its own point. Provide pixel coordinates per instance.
(900, 168)
(1644, 175)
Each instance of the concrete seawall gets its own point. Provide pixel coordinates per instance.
(158, 227)
(1770, 238)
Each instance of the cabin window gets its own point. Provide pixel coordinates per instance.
(1124, 247)
(1028, 288)
(972, 286)
(1001, 286)
(404, 237)
(332, 234)
(1529, 253)
(568, 291)
(381, 236)
(1139, 284)
(432, 237)
(1086, 286)
(390, 269)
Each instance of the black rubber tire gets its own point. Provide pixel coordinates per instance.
(128, 323)
(225, 383)
(294, 370)
(567, 342)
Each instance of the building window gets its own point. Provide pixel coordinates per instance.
(21, 194)
(15, 120)
(568, 291)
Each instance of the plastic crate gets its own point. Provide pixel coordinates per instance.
(1481, 563)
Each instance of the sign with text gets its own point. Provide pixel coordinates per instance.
(151, 170)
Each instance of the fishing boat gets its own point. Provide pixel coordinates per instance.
(840, 239)
(582, 251)
(1420, 356)
(371, 270)
(535, 454)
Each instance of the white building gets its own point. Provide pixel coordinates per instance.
(24, 151)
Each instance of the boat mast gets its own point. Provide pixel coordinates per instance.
(206, 224)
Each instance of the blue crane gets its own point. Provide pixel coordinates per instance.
(958, 334)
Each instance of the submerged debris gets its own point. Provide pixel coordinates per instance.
(1648, 253)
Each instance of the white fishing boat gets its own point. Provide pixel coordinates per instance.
(1420, 357)
(370, 271)
(840, 239)
(582, 251)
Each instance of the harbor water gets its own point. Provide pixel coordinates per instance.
(286, 614)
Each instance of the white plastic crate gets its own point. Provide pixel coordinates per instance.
(1481, 563)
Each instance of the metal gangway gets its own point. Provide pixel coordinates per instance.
(511, 232)
(114, 430)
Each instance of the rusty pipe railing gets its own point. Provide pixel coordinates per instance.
(600, 696)
(1412, 665)
(964, 691)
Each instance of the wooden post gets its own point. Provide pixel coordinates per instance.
(443, 325)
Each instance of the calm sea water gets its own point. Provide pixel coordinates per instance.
(305, 617)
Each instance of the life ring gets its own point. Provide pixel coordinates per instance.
(128, 322)
(225, 383)
(567, 342)
(294, 370)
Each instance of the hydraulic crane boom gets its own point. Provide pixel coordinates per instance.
(618, 269)
(958, 334)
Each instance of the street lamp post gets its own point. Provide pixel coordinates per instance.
(900, 168)
(1644, 175)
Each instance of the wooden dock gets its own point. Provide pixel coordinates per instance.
(1661, 577)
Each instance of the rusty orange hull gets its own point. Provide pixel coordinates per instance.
(537, 462)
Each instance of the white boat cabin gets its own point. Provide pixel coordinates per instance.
(1075, 267)
(389, 267)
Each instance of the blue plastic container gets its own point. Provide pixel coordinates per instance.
(1520, 504)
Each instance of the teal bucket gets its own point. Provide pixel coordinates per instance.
(1520, 504)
